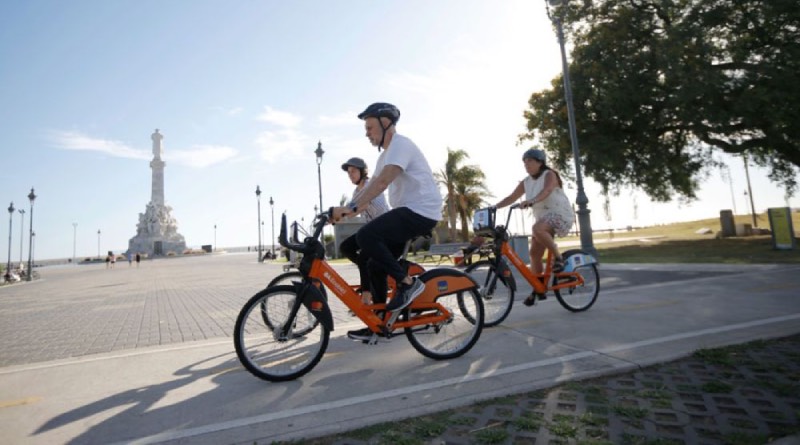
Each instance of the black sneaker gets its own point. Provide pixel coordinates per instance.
(363, 334)
(405, 295)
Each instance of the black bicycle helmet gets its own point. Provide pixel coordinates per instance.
(535, 153)
(354, 162)
(379, 110)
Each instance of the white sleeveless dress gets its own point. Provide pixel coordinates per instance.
(555, 210)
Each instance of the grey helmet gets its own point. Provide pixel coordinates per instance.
(535, 153)
(359, 164)
(355, 162)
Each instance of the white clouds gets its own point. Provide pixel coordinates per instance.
(229, 111)
(280, 118)
(342, 119)
(73, 140)
(199, 156)
(275, 144)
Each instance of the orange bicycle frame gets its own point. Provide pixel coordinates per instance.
(322, 271)
(539, 281)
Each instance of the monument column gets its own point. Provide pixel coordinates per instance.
(157, 231)
(157, 165)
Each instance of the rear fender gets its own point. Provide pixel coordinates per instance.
(576, 258)
(443, 281)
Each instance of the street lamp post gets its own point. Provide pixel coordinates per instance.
(10, 215)
(21, 233)
(258, 198)
(584, 221)
(74, 238)
(272, 210)
(29, 273)
(749, 191)
(215, 238)
(98, 244)
(319, 152)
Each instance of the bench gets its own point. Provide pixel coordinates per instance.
(444, 251)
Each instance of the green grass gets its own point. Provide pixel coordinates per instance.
(679, 243)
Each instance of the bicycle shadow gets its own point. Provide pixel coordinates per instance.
(143, 412)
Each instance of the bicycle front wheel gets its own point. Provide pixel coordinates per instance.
(284, 351)
(497, 296)
(456, 335)
(582, 296)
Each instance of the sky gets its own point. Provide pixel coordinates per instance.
(243, 91)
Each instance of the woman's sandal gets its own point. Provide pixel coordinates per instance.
(530, 301)
(558, 265)
(532, 298)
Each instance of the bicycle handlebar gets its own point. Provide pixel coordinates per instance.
(306, 246)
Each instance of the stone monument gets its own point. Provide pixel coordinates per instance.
(157, 231)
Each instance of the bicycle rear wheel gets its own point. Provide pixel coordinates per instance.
(286, 278)
(453, 337)
(497, 296)
(582, 296)
(279, 352)
(309, 322)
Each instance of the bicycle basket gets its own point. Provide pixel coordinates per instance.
(483, 221)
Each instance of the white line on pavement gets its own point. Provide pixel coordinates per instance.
(212, 428)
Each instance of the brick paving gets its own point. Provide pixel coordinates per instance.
(746, 394)
(75, 311)
(734, 395)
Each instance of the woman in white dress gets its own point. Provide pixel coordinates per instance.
(551, 208)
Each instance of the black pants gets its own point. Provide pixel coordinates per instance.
(382, 241)
(351, 250)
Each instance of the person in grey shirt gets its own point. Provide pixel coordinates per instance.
(356, 170)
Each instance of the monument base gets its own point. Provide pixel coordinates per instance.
(156, 247)
(157, 233)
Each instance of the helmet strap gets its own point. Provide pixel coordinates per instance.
(383, 136)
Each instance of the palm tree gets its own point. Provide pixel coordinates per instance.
(465, 190)
(447, 177)
(471, 191)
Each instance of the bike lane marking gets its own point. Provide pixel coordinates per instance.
(373, 397)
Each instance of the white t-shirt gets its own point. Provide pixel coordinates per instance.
(415, 188)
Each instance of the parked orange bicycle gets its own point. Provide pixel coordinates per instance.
(282, 332)
(576, 287)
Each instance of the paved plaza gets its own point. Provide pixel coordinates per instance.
(144, 355)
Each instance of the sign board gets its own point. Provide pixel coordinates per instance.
(780, 222)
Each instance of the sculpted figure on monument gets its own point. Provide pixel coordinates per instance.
(157, 137)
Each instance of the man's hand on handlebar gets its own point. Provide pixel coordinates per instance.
(341, 213)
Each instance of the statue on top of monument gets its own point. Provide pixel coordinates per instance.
(157, 137)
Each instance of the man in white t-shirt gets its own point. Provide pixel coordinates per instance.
(416, 208)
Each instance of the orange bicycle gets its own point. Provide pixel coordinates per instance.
(282, 332)
(412, 269)
(576, 287)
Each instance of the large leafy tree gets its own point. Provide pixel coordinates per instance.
(659, 85)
